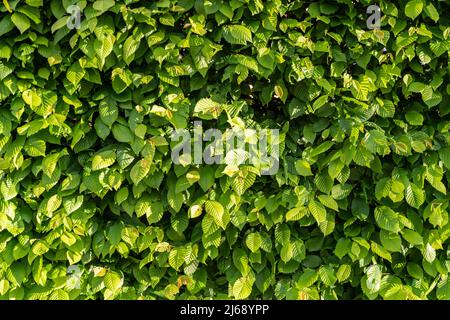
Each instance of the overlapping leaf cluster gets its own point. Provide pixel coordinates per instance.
(92, 206)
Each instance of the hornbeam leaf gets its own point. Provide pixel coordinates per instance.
(387, 219)
(103, 159)
(113, 281)
(21, 21)
(415, 197)
(296, 213)
(413, 8)
(103, 48)
(177, 257)
(129, 48)
(216, 210)
(318, 211)
(242, 288)
(253, 241)
(237, 34)
(103, 5)
(140, 170)
(243, 180)
(207, 109)
(32, 98)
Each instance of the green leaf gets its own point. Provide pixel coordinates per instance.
(216, 210)
(7, 6)
(391, 241)
(253, 241)
(113, 281)
(206, 178)
(21, 21)
(414, 118)
(382, 188)
(75, 74)
(103, 5)
(303, 168)
(46, 108)
(129, 48)
(342, 247)
(59, 294)
(429, 253)
(432, 12)
(182, 185)
(4, 286)
(415, 197)
(16, 273)
(175, 200)
(387, 219)
(177, 257)
(412, 237)
(115, 233)
(327, 275)
(341, 191)
(413, 8)
(121, 79)
(243, 180)
(323, 147)
(328, 225)
(103, 159)
(103, 48)
(444, 155)
(296, 213)
(109, 112)
(328, 202)
(122, 133)
(318, 211)
(32, 98)
(49, 164)
(343, 273)
(237, 34)
(281, 91)
(140, 170)
(35, 147)
(207, 109)
(307, 278)
(443, 289)
(242, 288)
(381, 251)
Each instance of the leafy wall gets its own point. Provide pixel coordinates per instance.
(92, 206)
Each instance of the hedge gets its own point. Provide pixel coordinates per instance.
(93, 206)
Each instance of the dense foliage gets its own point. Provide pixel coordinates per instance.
(92, 206)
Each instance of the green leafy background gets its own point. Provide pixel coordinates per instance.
(357, 210)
